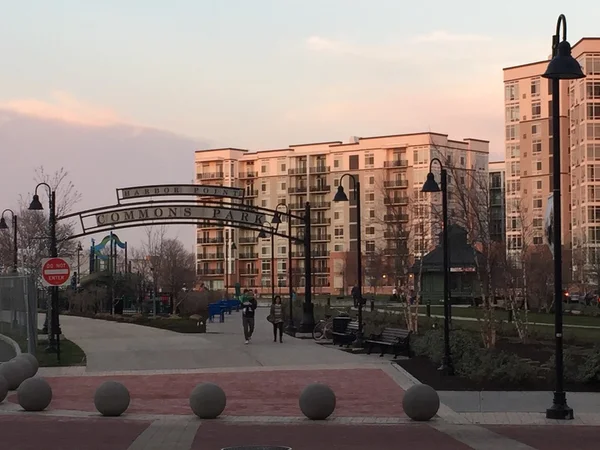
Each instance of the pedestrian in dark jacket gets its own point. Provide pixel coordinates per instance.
(249, 305)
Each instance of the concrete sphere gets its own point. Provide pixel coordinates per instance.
(14, 373)
(317, 401)
(33, 364)
(208, 400)
(3, 388)
(111, 399)
(421, 402)
(34, 394)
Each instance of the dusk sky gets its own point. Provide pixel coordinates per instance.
(256, 74)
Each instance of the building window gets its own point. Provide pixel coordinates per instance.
(266, 266)
(370, 230)
(593, 152)
(512, 113)
(263, 203)
(353, 162)
(282, 250)
(535, 87)
(282, 167)
(538, 222)
(282, 186)
(511, 91)
(536, 110)
(369, 160)
(370, 246)
(512, 132)
(264, 251)
(536, 146)
(338, 248)
(535, 129)
(336, 163)
(263, 168)
(338, 232)
(370, 197)
(538, 166)
(263, 187)
(537, 203)
(371, 213)
(513, 150)
(593, 111)
(336, 215)
(538, 185)
(592, 90)
(538, 240)
(371, 180)
(515, 169)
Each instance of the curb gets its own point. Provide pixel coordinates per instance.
(12, 343)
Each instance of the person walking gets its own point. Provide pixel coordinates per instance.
(249, 305)
(276, 317)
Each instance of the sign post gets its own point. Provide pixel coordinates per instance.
(55, 272)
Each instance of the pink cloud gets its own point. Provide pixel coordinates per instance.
(63, 106)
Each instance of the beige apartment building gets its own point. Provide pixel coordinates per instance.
(528, 104)
(396, 219)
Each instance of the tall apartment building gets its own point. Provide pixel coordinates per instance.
(528, 104)
(497, 190)
(391, 170)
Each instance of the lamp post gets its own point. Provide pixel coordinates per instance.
(233, 247)
(79, 250)
(431, 185)
(562, 67)
(4, 226)
(263, 235)
(277, 220)
(53, 317)
(341, 196)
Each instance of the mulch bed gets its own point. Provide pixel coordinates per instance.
(427, 372)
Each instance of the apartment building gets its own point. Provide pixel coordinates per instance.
(395, 215)
(497, 192)
(528, 104)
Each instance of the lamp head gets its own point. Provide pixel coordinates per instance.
(233, 246)
(262, 234)
(3, 224)
(340, 195)
(563, 66)
(430, 184)
(276, 218)
(35, 204)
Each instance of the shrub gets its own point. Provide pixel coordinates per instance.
(197, 302)
(502, 367)
(571, 370)
(589, 371)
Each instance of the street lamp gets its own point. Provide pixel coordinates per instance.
(79, 250)
(4, 226)
(431, 185)
(36, 205)
(562, 67)
(341, 196)
(277, 220)
(263, 235)
(233, 247)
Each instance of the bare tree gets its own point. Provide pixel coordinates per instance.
(153, 248)
(177, 269)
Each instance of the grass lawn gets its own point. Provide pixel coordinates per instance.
(70, 353)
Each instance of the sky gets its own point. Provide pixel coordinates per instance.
(254, 74)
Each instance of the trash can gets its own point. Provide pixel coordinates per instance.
(339, 325)
(258, 447)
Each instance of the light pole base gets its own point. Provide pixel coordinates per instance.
(447, 368)
(307, 324)
(559, 409)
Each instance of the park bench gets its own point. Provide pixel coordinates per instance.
(216, 309)
(346, 337)
(396, 339)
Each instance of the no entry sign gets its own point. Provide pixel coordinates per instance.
(55, 272)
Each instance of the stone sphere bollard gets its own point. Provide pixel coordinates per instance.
(317, 401)
(32, 365)
(34, 394)
(112, 399)
(13, 372)
(3, 388)
(208, 400)
(421, 402)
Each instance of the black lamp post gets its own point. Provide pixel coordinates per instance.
(233, 248)
(36, 205)
(277, 220)
(562, 67)
(79, 250)
(263, 235)
(4, 226)
(431, 185)
(341, 196)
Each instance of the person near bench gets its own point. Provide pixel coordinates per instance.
(276, 317)
(249, 305)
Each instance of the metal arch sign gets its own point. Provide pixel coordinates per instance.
(179, 212)
(170, 190)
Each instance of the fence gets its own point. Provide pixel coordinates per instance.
(18, 311)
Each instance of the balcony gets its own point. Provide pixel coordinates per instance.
(320, 205)
(251, 193)
(395, 218)
(313, 254)
(391, 184)
(207, 224)
(297, 171)
(212, 240)
(395, 235)
(320, 237)
(320, 188)
(248, 174)
(320, 269)
(298, 190)
(248, 256)
(248, 240)
(395, 201)
(396, 163)
(209, 176)
(246, 272)
(210, 271)
(320, 169)
(208, 256)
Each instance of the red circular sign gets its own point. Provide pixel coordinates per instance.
(56, 271)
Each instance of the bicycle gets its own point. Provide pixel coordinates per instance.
(323, 330)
